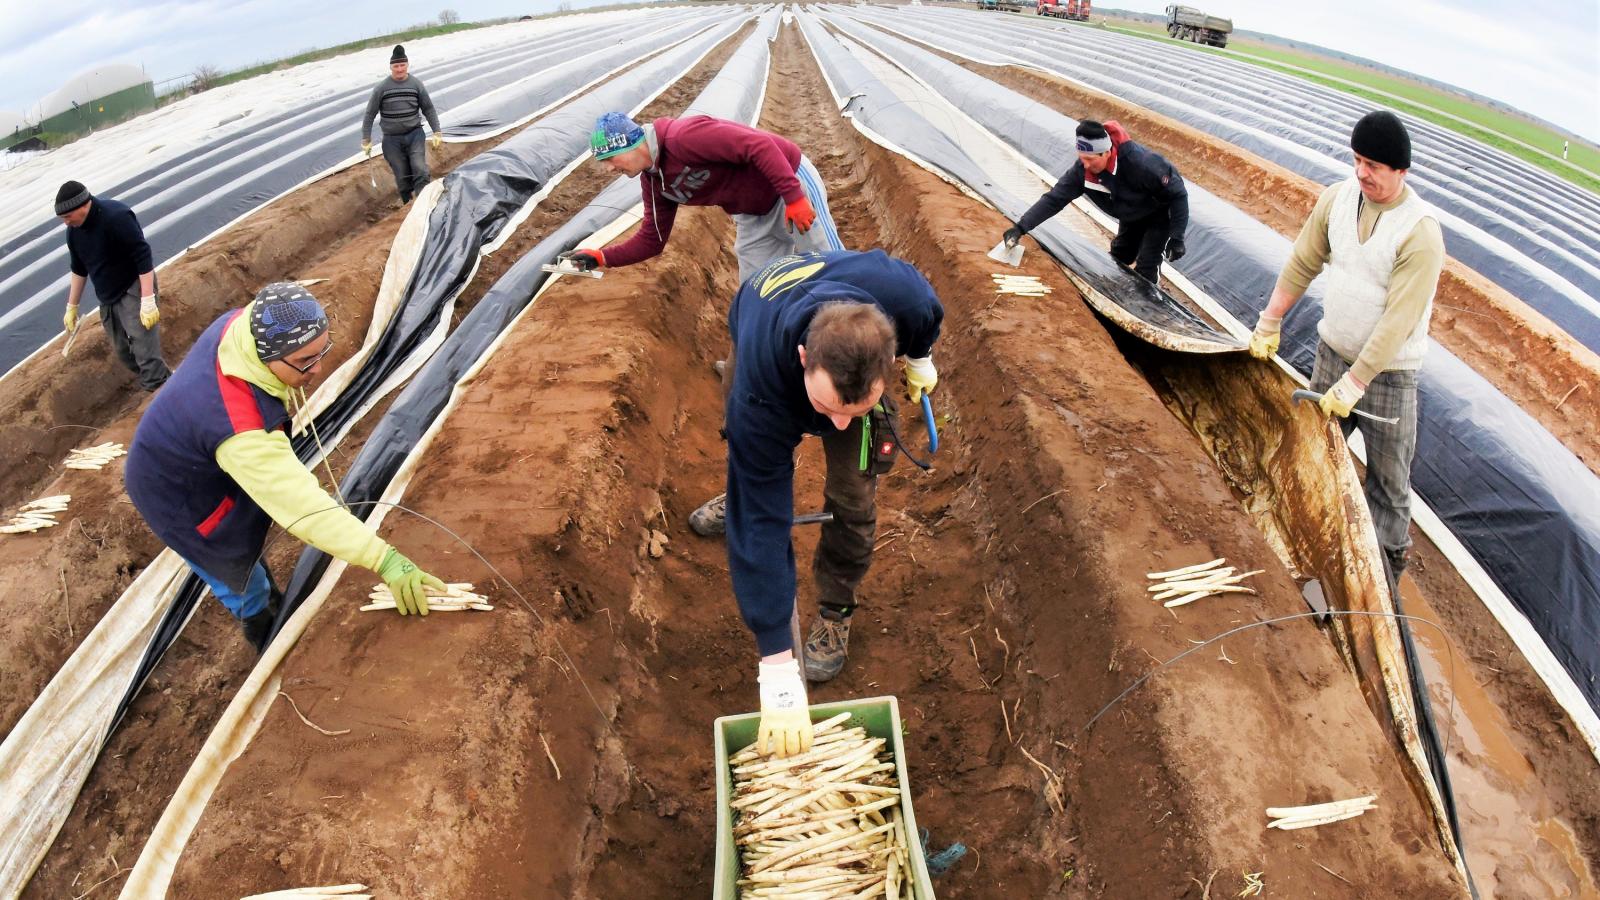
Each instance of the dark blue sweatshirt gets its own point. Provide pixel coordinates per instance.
(768, 411)
(109, 248)
(1141, 183)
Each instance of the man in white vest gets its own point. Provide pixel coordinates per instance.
(1383, 251)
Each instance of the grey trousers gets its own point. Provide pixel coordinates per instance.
(138, 347)
(766, 237)
(407, 156)
(1390, 448)
(844, 549)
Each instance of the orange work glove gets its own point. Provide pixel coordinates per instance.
(800, 215)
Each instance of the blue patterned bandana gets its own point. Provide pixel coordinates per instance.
(285, 318)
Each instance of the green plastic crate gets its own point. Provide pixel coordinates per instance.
(880, 716)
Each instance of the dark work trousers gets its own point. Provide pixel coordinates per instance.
(138, 347)
(407, 156)
(1140, 242)
(1390, 448)
(844, 549)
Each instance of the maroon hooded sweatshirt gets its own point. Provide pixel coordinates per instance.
(702, 161)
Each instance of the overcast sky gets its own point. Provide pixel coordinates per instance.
(1542, 56)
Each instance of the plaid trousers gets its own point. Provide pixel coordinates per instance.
(1390, 448)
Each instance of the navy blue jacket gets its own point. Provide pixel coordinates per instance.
(768, 411)
(171, 472)
(109, 248)
(1143, 184)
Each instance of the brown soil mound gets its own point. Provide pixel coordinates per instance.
(1005, 607)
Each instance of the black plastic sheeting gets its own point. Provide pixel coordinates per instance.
(479, 198)
(1525, 507)
(487, 191)
(202, 190)
(1535, 243)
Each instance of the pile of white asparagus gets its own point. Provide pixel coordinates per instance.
(822, 825)
(1191, 583)
(95, 457)
(456, 597)
(1288, 818)
(1022, 285)
(41, 513)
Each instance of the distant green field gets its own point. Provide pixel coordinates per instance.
(1488, 125)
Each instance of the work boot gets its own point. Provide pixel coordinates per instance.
(711, 519)
(1394, 565)
(258, 628)
(827, 646)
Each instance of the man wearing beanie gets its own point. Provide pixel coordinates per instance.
(1382, 248)
(1137, 187)
(770, 188)
(106, 246)
(400, 101)
(211, 467)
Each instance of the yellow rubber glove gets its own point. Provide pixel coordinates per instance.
(785, 718)
(149, 315)
(921, 377)
(1264, 340)
(366, 148)
(408, 583)
(1343, 396)
(436, 139)
(70, 320)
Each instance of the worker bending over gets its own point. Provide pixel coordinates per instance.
(815, 337)
(770, 188)
(1137, 187)
(211, 467)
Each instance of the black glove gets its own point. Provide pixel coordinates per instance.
(1175, 249)
(1012, 236)
(583, 260)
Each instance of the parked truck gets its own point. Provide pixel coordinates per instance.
(1189, 24)
(1000, 5)
(1077, 10)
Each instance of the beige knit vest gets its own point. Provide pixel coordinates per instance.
(1358, 283)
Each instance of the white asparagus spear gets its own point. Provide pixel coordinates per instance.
(1198, 567)
(1279, 812)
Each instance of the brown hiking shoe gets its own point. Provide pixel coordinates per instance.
(827, 646)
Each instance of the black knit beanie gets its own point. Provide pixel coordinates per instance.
(399, 54)
(71, 196)
(1381, 137)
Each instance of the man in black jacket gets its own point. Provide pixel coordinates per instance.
(1140, 189)
(106, 247)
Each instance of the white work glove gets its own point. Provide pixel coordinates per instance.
(366, 148)
(70, 320)
(1343, 396)
(921, 377)
(785, 718)
(1264, 340)
(436, 139)
(149, 316)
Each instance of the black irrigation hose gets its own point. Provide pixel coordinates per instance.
(1426, 727)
